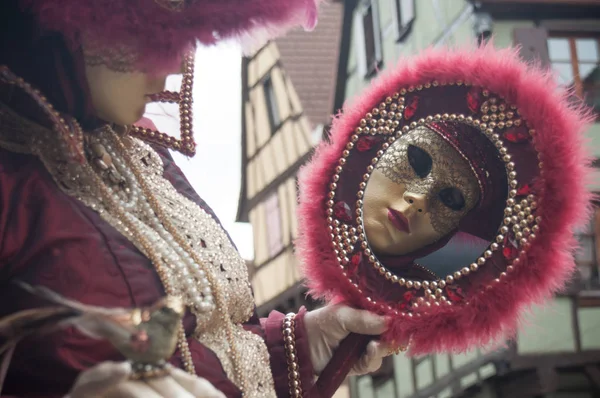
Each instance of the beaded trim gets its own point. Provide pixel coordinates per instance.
(289, 339)
(185, 144)
(349, 241)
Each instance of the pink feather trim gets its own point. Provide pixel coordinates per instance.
(494, 314)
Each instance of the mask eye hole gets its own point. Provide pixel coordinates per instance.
(452, 198)
(420, 161)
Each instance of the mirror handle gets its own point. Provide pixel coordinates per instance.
(344, 358)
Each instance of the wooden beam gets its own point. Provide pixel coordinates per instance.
(342, 66)
(454, 376)
(538, 10)
(542, 2)
(593, 372)
(241, 214)
(290, 119)
(548, 379)
(414, 373)
(597, 234)
(519, 385)
(575, 323)
(556, 360)
(264, 192)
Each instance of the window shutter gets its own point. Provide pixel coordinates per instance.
(377, 32)
(596, 231)
(407, 12)
(359, 38)
(273, 214)
(534, 44)
(271, 102)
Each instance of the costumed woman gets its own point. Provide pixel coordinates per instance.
(96, 210)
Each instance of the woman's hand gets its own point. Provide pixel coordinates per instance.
(112, 380)
(328, 326)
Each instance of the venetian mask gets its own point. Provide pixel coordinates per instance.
(417, 194)
(120, 89)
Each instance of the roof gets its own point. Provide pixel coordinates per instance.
(316, 63)
(311, 61)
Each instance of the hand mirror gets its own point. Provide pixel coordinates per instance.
(445, 200)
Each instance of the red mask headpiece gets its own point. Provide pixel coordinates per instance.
(153, 36)
(162, 31)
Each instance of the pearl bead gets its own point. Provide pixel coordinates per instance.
(187, 275)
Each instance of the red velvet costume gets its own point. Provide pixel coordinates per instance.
(51, 239)
(48, 238)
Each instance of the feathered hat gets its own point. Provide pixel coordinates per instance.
(161, 31)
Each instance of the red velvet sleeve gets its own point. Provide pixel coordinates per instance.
(48, 238)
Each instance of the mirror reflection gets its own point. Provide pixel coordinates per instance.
(417, 195)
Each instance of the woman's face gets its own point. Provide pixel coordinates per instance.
(418, 193)
(119, 92)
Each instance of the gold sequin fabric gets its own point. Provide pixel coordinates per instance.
(254, 358)
(449, 170)
(204, 234)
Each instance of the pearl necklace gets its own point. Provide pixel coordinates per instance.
(185, 248)
(192, 278)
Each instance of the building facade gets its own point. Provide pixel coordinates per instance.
(276, 140)
(282, 122)
(292, 85)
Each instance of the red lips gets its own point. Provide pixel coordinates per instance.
(398, 220)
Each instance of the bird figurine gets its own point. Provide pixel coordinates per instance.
(145, 336)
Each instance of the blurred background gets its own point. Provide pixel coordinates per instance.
(258, 120)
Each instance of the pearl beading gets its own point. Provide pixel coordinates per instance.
(289, 338)
(384, 120)
(191, 276)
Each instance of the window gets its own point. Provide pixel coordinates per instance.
(273, 215)
(297, 185)
(482, 26)
(585, 256)
(369, 34)
(576, 61)
(368, 37)
(271, 102)
(405, 14)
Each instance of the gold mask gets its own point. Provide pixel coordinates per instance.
(425, 182)
(448, 175)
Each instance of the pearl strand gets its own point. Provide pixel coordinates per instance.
(193, 279)
(185, 144)
(132, 190)
(112, 204)
(224, 313)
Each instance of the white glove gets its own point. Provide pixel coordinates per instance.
(328, 326)
(111, 380)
